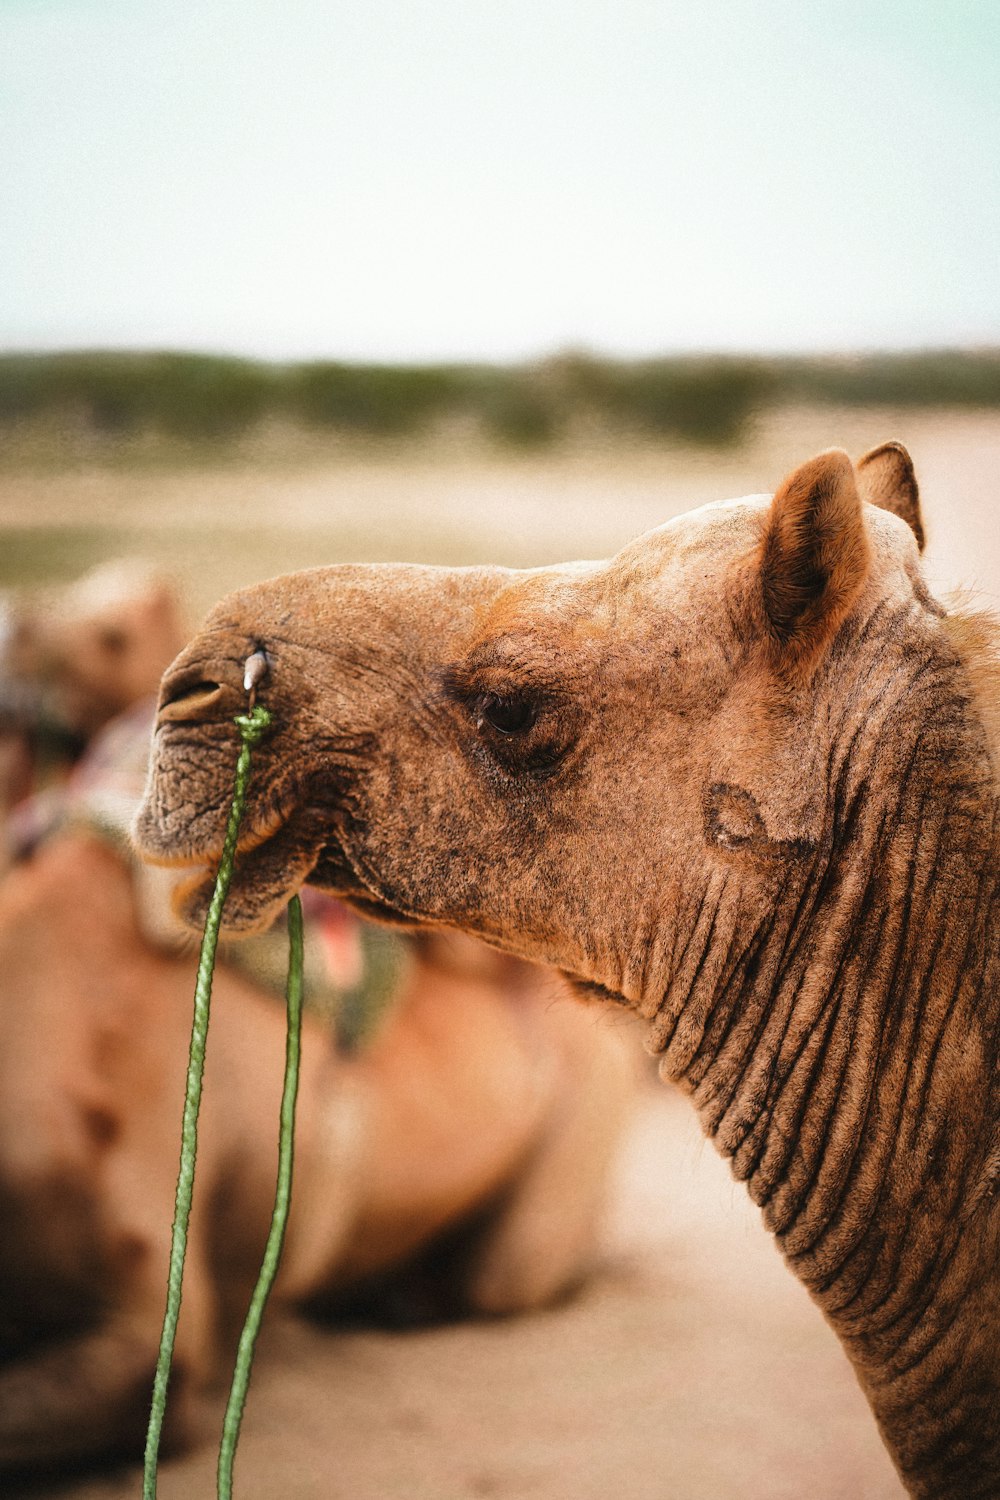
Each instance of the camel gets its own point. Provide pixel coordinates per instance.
(740, 779)
(99, 644)
(455, 1166)
(72, 658)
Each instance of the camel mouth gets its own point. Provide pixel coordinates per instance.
(268, 871)
(293, 833)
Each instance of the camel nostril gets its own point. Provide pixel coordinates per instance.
(191, 702)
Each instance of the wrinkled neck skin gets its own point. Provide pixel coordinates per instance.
(841, 1044)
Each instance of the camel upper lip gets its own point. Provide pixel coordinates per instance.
(331, 859)
(209, 857)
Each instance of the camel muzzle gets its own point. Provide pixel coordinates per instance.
(200, 693)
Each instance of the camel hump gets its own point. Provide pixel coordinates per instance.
(886, 478)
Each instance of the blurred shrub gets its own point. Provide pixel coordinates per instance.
(517, 408)
(382, 400)
(710, 402)
(706, 400)
(956, 378)
(193, 396)
(188, 396)
(683, 399)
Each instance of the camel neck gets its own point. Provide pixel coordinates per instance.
(842, 1049)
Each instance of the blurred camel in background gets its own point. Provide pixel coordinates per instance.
(72, 658)
(456, 1164)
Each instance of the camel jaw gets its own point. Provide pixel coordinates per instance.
(336, 875)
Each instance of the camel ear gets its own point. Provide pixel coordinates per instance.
(814, 555)
(886, 479)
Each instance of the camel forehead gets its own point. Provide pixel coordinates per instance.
(669, 576)
(699, 545)
(701, 552)
(719, 529)
(714, 530)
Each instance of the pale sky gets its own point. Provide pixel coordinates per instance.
(421, 179)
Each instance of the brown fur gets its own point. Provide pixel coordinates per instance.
(456, 1165)
(976, 638)
(737, 779)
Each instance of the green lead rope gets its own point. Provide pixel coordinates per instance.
(279, 1218)
(252, 727)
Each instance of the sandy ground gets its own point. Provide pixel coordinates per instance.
(692, 1367)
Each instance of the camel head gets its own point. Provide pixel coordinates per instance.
(560, 760)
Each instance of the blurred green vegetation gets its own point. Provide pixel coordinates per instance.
(376, 400)
(192, 399)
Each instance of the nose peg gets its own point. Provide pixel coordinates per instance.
(254, 671)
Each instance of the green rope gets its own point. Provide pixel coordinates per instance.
(252, 727)
(282, 1199)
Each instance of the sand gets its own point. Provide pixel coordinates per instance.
(691, 1367)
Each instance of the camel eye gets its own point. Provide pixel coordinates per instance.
(509, 716)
